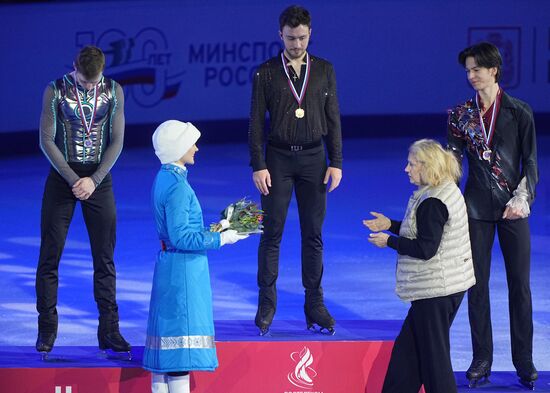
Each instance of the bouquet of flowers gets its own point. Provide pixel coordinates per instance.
(244, 216)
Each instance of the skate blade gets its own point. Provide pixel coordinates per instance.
(477, 383)
(327, 331)
(110, 354)
(321, 330)
(528, 384)
(265, 332)
(44, 356)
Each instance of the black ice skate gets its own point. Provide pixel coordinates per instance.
(114, 341)
(264, 316)
(527, 374)
(478, 373)
(44, 344)
(317, 314)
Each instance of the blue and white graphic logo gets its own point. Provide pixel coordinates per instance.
(142, 63)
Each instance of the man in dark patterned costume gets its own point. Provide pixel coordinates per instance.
(497, 132)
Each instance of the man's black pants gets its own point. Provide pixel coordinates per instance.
(304, 172)
(99, 211)
(515, 243)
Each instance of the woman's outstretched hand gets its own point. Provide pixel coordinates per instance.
(379, 223)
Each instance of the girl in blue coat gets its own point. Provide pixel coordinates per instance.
(180, 329)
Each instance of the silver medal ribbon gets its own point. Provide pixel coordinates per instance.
(87, 126)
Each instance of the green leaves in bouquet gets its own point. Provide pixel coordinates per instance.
(244, 216)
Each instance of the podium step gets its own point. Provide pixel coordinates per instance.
(245, 367)
(291, 360)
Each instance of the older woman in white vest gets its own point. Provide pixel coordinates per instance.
(434, 269)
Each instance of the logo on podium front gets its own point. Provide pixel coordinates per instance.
(303, 374)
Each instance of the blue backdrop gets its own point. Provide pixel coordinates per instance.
(193, 60)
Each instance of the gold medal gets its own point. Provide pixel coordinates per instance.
(299, 113)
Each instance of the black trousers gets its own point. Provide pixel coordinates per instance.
(421, 353)
(304, 172)
(99, 211)
(515, 243)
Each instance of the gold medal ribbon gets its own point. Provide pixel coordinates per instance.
(299, 97)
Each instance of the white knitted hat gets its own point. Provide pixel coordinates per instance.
(172, 139)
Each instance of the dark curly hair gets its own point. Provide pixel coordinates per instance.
(294, 16)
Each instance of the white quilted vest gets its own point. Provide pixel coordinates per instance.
(451, 269)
